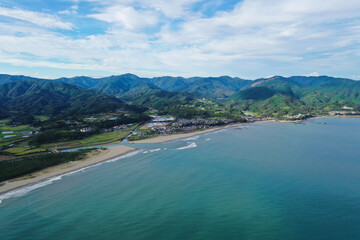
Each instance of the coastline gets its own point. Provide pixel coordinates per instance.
(173, 137)
(39, 176)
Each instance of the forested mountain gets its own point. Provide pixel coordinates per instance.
(326, 89)
(5, 78)
(119, 85)
(141, 92)
(53, 98)
(270, 96)
(220, 87)
(171, 84)
(280, 95)
(84, 82)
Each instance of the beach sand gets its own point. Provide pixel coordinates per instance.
(172, 137)
(98, 156)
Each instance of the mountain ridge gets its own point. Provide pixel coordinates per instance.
(275, 95)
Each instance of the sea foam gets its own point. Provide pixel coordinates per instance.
(155, 150)
(191, 145)
(26, 189)
(191, 138)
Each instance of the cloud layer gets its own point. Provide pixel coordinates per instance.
(250, 38)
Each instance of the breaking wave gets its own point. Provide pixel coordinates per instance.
(191, 145)
(191, 138)
(155, 150)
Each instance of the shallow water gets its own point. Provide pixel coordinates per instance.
(261, 181)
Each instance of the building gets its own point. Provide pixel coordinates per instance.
(87, 129)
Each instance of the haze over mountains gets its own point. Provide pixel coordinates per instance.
(269, 95)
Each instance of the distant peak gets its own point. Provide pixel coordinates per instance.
(129, 75)
(275, 77)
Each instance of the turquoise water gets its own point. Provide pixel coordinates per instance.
(262, 181)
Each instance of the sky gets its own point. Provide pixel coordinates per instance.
(243, 38)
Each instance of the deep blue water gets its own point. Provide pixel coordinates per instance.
(262, 181)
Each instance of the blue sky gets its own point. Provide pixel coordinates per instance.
(248, 38)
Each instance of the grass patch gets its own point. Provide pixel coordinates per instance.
(4, 121)
(8, 141)
(16, 128)
(42, 117)
(99, 139)
(20, 151)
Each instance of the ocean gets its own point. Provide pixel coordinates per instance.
(263, 181)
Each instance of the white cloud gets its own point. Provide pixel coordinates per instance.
(171, 9)
(40, 19)
(257, 36)
(258, 27)
(127, 17)
(71, 11)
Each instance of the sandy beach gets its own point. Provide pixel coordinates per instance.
(99, 156)
(172, 137)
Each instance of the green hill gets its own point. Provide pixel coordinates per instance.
(220, 87)
(119, 85)
(310, 95)
(6, 78)
(84, 82)
(171, 84)
(139, 91)
(254, 93)
(54, 98)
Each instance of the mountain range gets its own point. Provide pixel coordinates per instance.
(268, 96)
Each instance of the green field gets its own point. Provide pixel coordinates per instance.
(16, 130)
(99, 139)
(20, 151)
(21, 146)
(4, 121)
(42, 117)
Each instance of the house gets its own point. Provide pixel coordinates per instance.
(90, 119)
(25, 133)
(87, 129)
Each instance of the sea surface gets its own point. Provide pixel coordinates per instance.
(259, 181)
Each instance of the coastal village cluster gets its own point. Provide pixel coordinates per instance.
(160, 125)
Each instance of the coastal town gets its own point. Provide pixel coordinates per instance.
(160, 125)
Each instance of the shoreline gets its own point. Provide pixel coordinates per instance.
(42, 175)
(173, 137)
